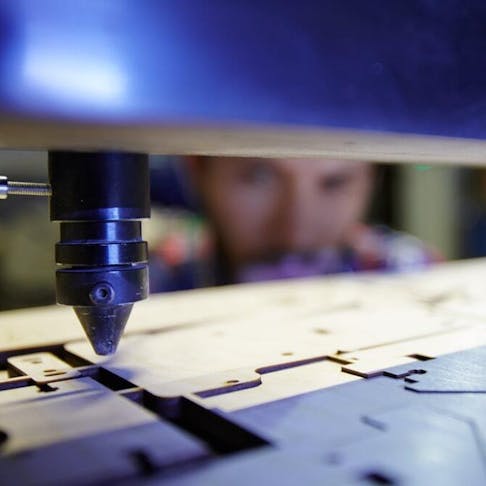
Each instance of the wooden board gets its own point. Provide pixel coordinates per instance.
(80, 432)
(239, 140)
(266, 341)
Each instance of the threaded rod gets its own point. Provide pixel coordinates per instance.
(29, 189)
(8, 188)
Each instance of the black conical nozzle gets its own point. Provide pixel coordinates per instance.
(104, 325)
(100, 198)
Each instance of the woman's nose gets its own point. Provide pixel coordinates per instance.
(297, 219)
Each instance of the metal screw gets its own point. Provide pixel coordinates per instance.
(102, 293)
(8, 188)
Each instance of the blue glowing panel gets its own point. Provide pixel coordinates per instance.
(415, 66)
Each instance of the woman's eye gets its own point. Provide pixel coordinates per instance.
(333, 183)
(259, 174)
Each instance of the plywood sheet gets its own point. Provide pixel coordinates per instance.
(281, 384)
(229, 338)
(239, 140)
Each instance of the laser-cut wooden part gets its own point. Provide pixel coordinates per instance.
(404, 454)
(375, 366)
(42, 367)
(130, 455)
(280, 384)
(55, 325)
(374, 361)
(78, 431)
(75, 408)
(339, 410)
(452, 376)
(310, 300)
(212, 339)
(267, 466)
(378, 320)
(273, 371)
(156, 363)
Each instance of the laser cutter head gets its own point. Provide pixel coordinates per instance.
(99, 199)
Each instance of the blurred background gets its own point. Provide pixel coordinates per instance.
(442, 206)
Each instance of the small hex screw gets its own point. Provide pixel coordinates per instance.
(102, 293)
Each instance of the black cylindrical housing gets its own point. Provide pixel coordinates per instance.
(99, 199)
(75, 286)
(99, 186)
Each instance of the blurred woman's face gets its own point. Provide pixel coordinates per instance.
(263, 208)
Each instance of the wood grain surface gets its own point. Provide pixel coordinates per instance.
(239, 140)
(238, 346)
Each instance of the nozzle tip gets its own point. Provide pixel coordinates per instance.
(104, 325)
